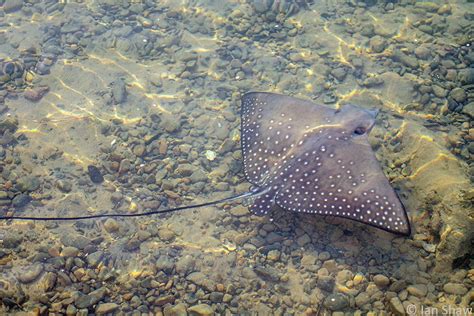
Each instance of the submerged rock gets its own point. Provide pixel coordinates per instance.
(119, 92)
(27, 184)
(201, 310)
(30, 274)
(94, 174)
(336, 302)
(12, 5)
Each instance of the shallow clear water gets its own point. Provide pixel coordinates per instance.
(131, 106)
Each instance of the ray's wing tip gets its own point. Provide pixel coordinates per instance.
(405, 232)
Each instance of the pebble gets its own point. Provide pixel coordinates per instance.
(164, 263)
(323, 256)
(139, 150)
(198, 175)
(111, 225)
(273, 237)
(396, 306)
(466, 76)
(169, 123)
(27, 184)
(77, 241)
(30, 274)
(71, 310)
(339, 73)
(455, 288)
(458, 94)
(227, 298)
(427, 6)
(94, 174)
(119, 91)
(439, 91)
(309, 259)
(3, 195)
(273, 255)
(405, 59)
(216, 297)
(377, 44)
(166, 234)
(358, 279)
(303, 240)
(106, 308)
(177, 310)
(200, 310)
(11, 240)
(69, 252)
(361, 299)
(162, 146)
(239, 211)
(21, 200)
(268, 273)
(381, 280)
(35, 94)
(325, 283)
(201, 279)
(185, 264)
(185, 170)
(64, 185)
(125, 166)
(336, 302)
(12, 5)
(469, 109)
(418, 290)
(85, 301)
(423, 52)
(343, 276)
(330, 265)
(398, 285)
(95, 258)
(165, 299)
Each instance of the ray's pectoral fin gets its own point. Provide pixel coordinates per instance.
(344, 180)
(262, 203)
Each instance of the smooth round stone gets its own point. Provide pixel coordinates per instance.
(396, 306)
(455, 288)
(343, 276)
(64, 185)
(324, 256)
(377, 44)
(336, 302)
(30, 274)
(106, 308)
(273, 255)
(27, 184)
(70, 252)
(466, 76)
(361, 299)
(166, 234)
(21, 200)
(111, 225)
(381, 280)
(201, 310)
(418, 290)
(303, 240)
(458, 94)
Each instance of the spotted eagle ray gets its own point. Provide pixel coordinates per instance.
(307, 158)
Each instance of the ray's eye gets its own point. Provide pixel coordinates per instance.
(359, 131)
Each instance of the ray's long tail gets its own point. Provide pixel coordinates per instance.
(117, 215)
